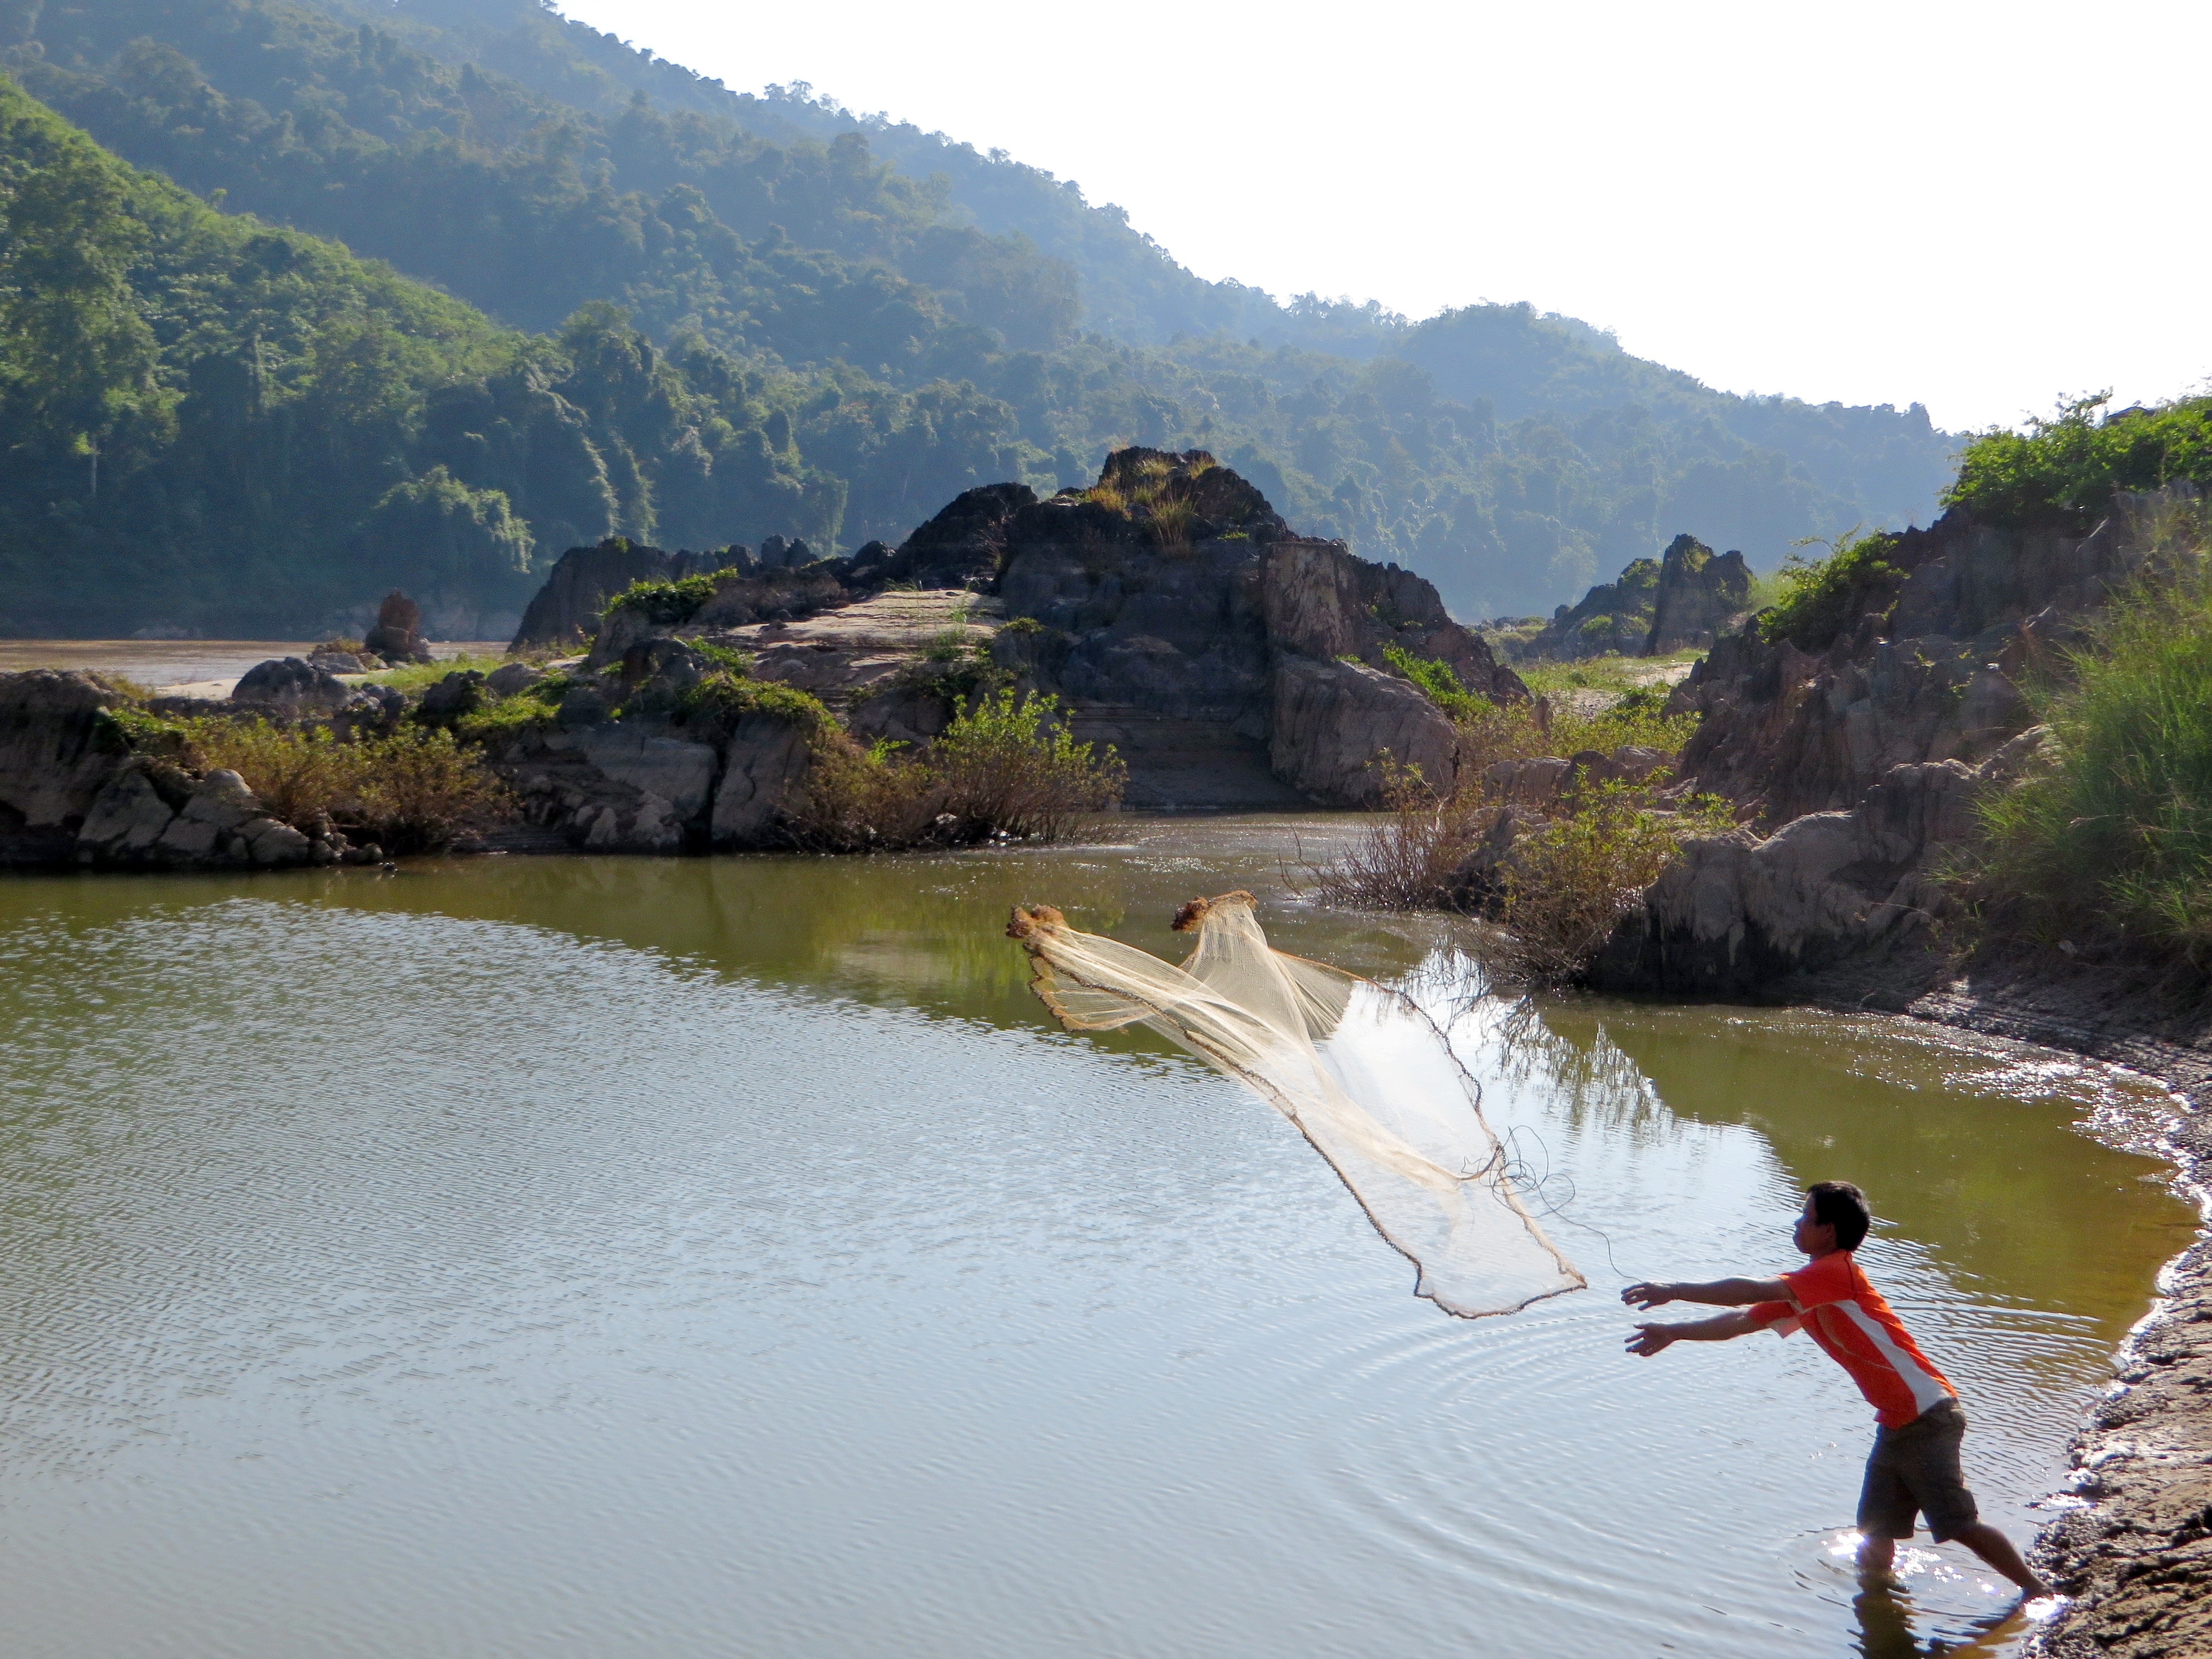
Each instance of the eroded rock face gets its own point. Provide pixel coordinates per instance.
(1335, 721)
(566, 610)
(1699, 595)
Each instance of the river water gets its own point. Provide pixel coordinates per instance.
(622, 1258)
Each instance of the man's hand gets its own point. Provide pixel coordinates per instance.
(1648, 1295)
(1652, 1338)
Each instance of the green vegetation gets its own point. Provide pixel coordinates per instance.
(740, 333)
(2108, 842)
(413, 790)
(666, 605)
(728, 696)
(2072, 462)
(1437, 682)
(1822, 599)
(1007, 767)
(417, 675)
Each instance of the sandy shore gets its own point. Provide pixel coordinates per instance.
(185, 668)
(2136, 1556)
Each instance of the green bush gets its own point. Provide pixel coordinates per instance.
(1822, 597)
(2072, 462)
(665, 604)
(1436, 680)
(727, 697)
(2111, 837)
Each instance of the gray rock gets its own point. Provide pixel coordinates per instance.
(511, 678)
(1699, 595)
(764, 763)
(293, 685)
(272, 844)
(127, 816)
(57, 754)
(1334, 721)
(583, 705)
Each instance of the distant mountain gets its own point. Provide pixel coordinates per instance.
(912, 316)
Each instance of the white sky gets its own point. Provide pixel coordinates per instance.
(1979, 207)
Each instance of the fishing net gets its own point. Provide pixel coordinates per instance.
(1366, 1075)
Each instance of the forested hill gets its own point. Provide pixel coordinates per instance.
(874, 338)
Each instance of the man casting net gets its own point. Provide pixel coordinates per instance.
(1366, 1075)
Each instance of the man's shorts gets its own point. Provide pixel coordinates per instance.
(1915, 1468)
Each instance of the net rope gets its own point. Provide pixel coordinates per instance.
(1368, 1079)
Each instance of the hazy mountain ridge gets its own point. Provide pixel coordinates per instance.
(901, 354)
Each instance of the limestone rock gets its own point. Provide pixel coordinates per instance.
(1320, 601)
(1335, 720)
(54, 760)
(293, 685)
(764, 763)
(457, 695)
(127, 816)
(1699, 595)
(1742, 914)
(963, 546)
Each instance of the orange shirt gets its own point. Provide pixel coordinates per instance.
(1841, 1310)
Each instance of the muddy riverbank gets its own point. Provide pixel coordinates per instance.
(2136, 1556)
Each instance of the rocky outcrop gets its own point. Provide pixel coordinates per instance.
(1855, 757)
(1614, 616)
(292, 685)
(72, 792)
(567, 609)
(1698, 596)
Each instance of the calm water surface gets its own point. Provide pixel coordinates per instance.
(621, 1259)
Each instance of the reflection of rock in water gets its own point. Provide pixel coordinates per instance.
(1369, 1079)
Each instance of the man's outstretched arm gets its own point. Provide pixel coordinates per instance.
(1652, 1338)
(1716, 1293)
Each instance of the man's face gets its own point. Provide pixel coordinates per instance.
(1812, 1233)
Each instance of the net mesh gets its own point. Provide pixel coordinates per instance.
(1364, 1074)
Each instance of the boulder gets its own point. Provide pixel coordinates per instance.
(130, 813)
(1335, 722)
(510, 677)
(964, 545)
(459, 693)
(292, 685)
(1320, 601)
(56, 756)
(764, 765)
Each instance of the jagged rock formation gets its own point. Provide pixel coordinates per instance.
(1699, 595)
(1681, 601)
(398, 635)
(1854, 758)
(1231, 663)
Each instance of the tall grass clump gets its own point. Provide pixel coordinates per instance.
(2109, 839)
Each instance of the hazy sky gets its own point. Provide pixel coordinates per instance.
(1978, 207)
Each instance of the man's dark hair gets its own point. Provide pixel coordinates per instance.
(1840, 1204)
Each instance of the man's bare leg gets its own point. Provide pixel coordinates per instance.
(1876, 1554)
(1994, 1548)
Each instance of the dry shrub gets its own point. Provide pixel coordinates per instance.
(1558, 891)
(863, 799)
(1407, 862)
(1519, 731)
(414, 791)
